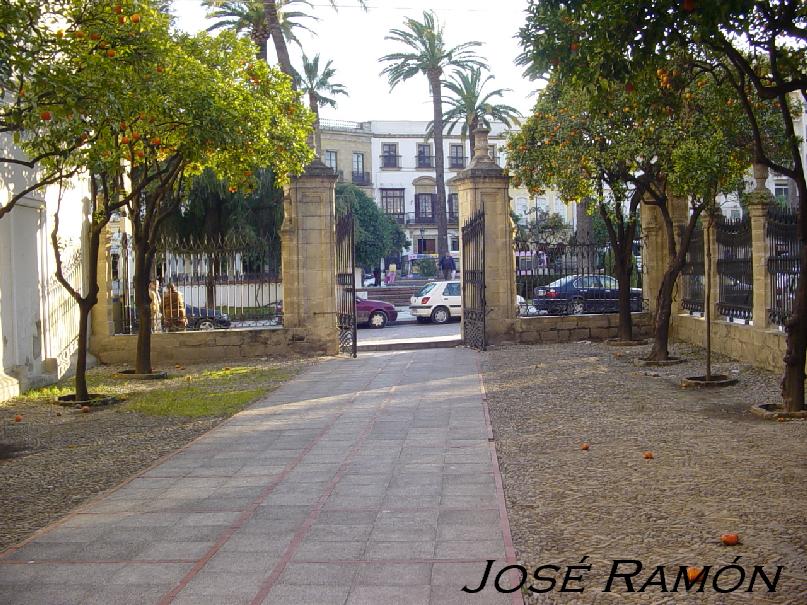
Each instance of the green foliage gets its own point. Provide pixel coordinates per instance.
(427, 267)
(377, 235)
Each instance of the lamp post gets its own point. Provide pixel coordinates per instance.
(422, 240)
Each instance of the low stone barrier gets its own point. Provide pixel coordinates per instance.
(764, 348)
(572, 328)
(214, 345)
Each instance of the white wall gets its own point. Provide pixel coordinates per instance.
(38, 320)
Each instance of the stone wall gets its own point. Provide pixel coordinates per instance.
(223, 345)
(571, 328)
(764, 348)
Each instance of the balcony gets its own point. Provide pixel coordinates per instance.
(456, 163)
(361, 178)
(424, 161)
(413, 218)
(389, 160)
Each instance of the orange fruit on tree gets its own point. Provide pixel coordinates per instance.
(95, 36)
(135, 136)
(78, 34)
(155, 141)
(46, 115)
(111, 53)
(124, 140)
(731, 539)
(135, 18)
(121, 19)
(117, 9)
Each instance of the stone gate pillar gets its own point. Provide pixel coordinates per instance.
(308, 258)
(758, 202)
(655, 250)
(486, 186)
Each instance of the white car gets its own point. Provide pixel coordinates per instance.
(438, 301)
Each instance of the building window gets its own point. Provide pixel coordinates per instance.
(781, 191)
(115, 262)
(392, 201)
(455, 244)
(424, 207)
(330, 159)
(456, 157)
(427, 246)
(453, 205)
(359, 176)
(389, 155)
(424, 157)
(492, 152)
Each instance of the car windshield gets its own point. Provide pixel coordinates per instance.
(426, 289)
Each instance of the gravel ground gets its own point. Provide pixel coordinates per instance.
(716, 468)
(58, 457)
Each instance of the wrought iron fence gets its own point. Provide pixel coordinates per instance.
(473, 281)
(734, 268)
(783, 263)
(692, 274)
(568, 278)
(204, 284)
(62, 323)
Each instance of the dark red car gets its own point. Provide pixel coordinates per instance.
(374, 313)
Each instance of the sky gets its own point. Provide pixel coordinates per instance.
(354, 40)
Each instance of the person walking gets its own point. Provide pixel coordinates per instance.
(448, 266)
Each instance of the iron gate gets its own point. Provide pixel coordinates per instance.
(346, 284)
(473, 281)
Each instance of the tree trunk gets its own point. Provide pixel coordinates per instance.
(283, 59)
(707, 297)
(143, 306)
(439, 166)
(81, 355)
(623, 274)
(263, 47)
(661, 322)
(796, 327)
(316, 137)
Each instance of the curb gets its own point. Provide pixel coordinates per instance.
(409, 345)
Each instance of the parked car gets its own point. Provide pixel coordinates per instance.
(374, 313)
(441, 301)
(437, 301)
(202, 318)
(577, 294)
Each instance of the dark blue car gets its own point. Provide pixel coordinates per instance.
(577, 294)
(202, 318)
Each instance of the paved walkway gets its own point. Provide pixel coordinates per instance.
(361, 481)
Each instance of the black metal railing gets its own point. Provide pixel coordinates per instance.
(389, 160)
(424, 161)
(398, 217)
(692, 274)
(734, 268)
(346, 284)
(566, 278)
(204, 284)
(419, 219)
(361, 178)
(783, 263)
(473, 281)
(456, 163)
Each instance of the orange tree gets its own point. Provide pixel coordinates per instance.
(157, 107)
(593, 149)
(756, 47)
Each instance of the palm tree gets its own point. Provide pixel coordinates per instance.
(469, 108)
(250, 16)
(274, 18)
(428, 55)
(317, 85)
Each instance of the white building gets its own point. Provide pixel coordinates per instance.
(38, 318)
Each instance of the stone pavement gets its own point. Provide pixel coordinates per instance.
(361, 481)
